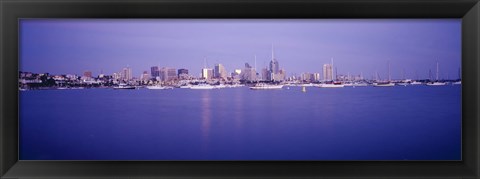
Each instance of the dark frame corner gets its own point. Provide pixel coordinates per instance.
(11, 10)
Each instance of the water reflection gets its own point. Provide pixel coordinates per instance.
(206, 114)
(238, 110)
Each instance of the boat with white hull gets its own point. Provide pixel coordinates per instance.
(332, 85)
(360, 84)
(386, 83)
(124, 87)
(202, 86)
(158, 87)
(383, 84)
(262, 86)
(436, 83)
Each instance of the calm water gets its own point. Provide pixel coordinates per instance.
(363, 123)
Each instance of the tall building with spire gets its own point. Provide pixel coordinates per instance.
(274, 69)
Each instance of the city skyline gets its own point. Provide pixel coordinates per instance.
(301, 46)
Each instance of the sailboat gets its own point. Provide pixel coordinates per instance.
(416, 82)
(436, 83)
(404, 81)
(385, 83)
(459, 82)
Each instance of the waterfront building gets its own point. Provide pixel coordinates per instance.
(236, 74)
(58, 78)
(145, 76)
(327, 72)
(207, 73)
(183, 74)
(248, 73)
(71, 77)
(154, 71)
(182, 71)
(116, 76)
(167, 74)
(220, 72)
(265, 74)
(126, 74)
(316, 77)
(306, 77)
(281, 75)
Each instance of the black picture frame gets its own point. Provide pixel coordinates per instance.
(467, 10)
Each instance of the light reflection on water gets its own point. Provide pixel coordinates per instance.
(206, 117)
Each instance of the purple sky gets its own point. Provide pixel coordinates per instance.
(72, 46)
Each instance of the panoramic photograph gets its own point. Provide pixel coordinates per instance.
(240, 89)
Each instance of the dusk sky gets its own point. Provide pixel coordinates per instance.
(72, 46)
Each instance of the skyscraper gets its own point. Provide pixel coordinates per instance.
(168, 74)
(316, 77)
(154, 71)
(275, 73)
(265, 73)
(248, 73)
(327, 72)
(126, 74)
(145, 76)
(207, 73)
(220, 72)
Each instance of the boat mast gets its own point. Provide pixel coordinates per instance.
(273, 57)
(272, 73)
(437, 72)
(256, 77)
(459, 74)
(389, 78)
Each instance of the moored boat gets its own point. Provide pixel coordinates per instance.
(202, 86)
(263, 86)
(401, 84)
(158, 87)
(436, 83)
(124, 86)
(416, 83)
(332, 85)
(383, 84)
